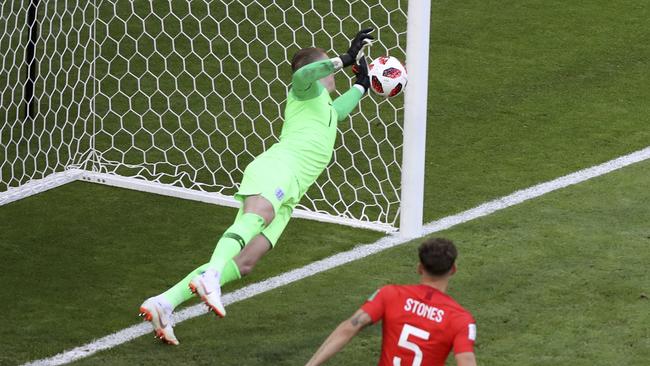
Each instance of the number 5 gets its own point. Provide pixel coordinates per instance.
(405, 343)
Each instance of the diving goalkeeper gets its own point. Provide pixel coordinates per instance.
(275, 181)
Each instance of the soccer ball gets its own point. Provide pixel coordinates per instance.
(387, 76)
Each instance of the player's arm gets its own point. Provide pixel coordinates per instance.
(463, 343)
(349, 100)
(304, 80)
(465, 359)
(340, 337)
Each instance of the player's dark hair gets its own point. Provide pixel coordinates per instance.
(306, 56)
(437, 256)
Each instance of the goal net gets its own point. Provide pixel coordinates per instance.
(46, 91)
(177, 97)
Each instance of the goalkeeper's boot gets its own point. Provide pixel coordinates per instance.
(159, 312)
(206, 286)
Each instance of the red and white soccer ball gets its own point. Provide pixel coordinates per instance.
(387, 76)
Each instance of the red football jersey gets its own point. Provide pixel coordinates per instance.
(421, 325)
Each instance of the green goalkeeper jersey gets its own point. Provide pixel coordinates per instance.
(310, 123)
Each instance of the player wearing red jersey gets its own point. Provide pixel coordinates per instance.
(421, 323)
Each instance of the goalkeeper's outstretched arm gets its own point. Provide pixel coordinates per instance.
(349, 100)
(303, 80)
(305, 77)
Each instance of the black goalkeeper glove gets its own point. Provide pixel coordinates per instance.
(362, 38)
(361, 71)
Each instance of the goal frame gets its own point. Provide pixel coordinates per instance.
(413, 155)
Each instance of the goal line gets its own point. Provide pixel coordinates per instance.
(359, 252)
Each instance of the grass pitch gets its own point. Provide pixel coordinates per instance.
(555, 281)
(520, 92)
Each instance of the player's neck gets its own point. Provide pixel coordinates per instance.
(439, 284)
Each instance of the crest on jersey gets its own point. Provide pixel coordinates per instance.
(279, 194)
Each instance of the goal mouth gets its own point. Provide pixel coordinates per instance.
(185, 95)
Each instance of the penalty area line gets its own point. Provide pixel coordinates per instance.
(362, 251)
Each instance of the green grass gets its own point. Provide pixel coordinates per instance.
(555, 281)
(525, 91)
(520, 92)
(87, 244)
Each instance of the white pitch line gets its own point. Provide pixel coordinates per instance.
(339, 259)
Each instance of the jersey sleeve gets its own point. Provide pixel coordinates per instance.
(347, 102)
(375, 306)
(304, 83)
(465, 335)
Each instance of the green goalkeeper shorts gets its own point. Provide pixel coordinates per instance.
(265, 177)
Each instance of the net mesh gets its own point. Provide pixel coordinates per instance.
(48, 140)
(187, 93)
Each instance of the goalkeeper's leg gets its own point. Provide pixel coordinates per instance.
(180, 292)
(256, 214)
(266, 187)
(252, 253)
(234, 269)
(158, 310)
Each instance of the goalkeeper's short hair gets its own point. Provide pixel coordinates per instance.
(306, 56)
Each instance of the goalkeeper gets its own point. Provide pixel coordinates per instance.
(275, 181)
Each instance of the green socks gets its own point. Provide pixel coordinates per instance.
(245, 228)
(230, 273)
(181, 291)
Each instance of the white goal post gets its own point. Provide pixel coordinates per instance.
(177, 97)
